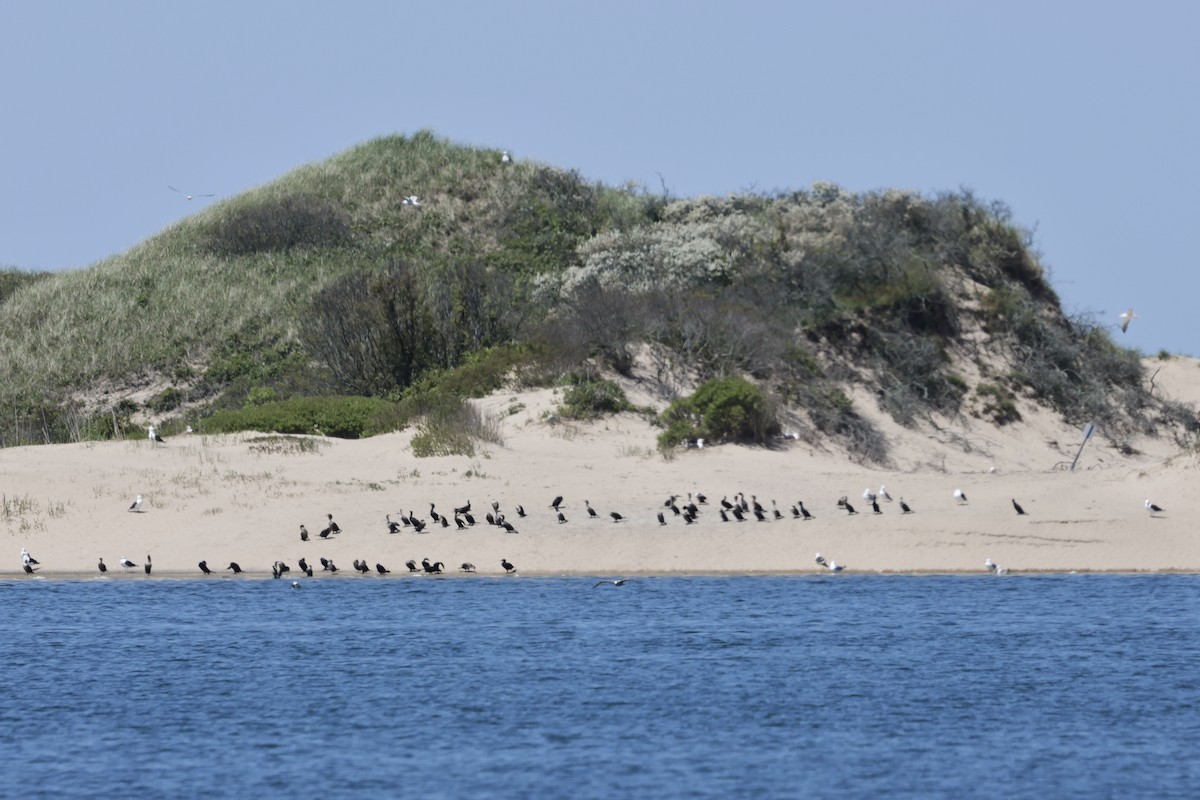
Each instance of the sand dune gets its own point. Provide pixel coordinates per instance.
(243, 498)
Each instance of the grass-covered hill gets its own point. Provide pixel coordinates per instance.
(326, 284)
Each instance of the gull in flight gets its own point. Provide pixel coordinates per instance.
(1127, 318)
(186, 195)
(618, 582)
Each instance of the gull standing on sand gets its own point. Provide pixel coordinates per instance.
(1127, 317)
(127, 564)
(960, 496)
(1152, 508)
(137, 505)
(154, 437)
(883, 492)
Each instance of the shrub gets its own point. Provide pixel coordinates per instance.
(591, 398)
(339, 416)
(168, 399)
(998, 404)
(721, 410)
(277, 224)
(450, 426)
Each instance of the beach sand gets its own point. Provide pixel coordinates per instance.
(243, 498)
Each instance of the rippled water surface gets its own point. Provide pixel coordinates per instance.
(840, 686)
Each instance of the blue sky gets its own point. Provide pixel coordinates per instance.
(1083, 118)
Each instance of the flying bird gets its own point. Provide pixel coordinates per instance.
(618, 582)
(186, 195)
(1127, 317)
(137, 504)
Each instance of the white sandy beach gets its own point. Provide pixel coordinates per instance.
(243, 498)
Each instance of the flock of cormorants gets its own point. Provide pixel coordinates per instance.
(688, 510)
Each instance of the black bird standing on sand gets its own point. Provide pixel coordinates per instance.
(561, 518)
(615, 516)
(520, 511)
(508, 568)
(233, 565)
(467, 567)
(875, 507)
(661, 521)
(304, 567)
(29, 569)
(904, 507)
(412, 565)
(739, 514)
(147, 564)
(556, 502)
(303, 534)
(463, 509)
(382, 570)
(849, 509)
(434, 568)
(362, 567)
(724, 516)
(458, 521)
(804, 511)
(591, 511)
(393, 527)
(1017, 506)
(103, 566)
(204, 568)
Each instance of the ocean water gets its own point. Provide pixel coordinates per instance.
(821, 686)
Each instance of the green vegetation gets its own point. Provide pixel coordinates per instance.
(322, 299)
(722, 410)
(590, 398)
(998, 404)
(341, 417)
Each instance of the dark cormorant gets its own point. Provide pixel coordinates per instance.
(508, 568)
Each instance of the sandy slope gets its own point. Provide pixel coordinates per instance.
(239, 498)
